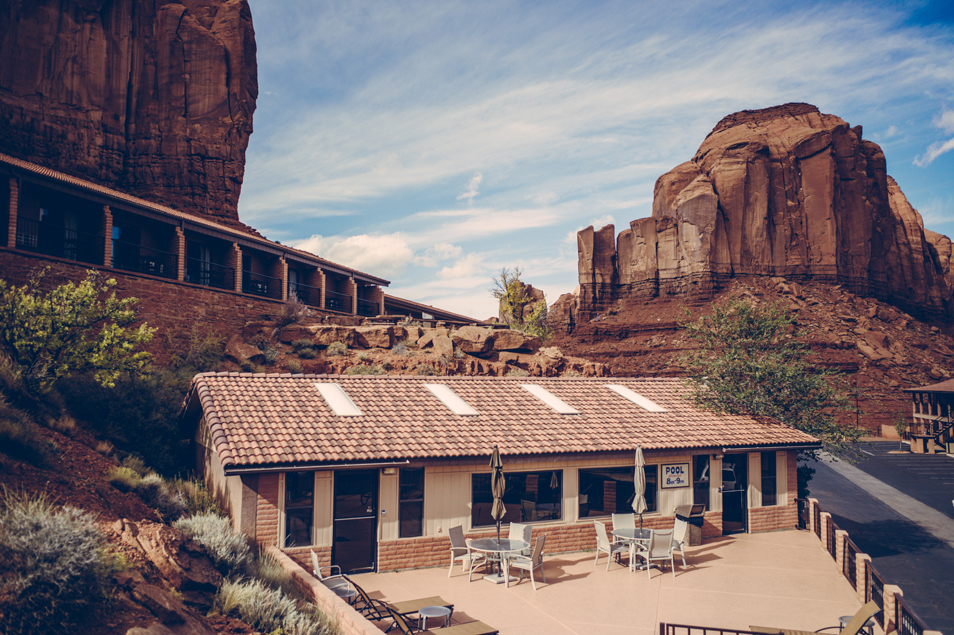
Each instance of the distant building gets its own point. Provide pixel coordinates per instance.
(372, 472)
(932, 425)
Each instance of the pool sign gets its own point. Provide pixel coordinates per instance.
(675, 475)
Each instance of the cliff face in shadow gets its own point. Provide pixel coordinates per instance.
(785, 191)
(151, 97)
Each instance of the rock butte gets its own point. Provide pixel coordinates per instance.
(154, 98)
(784, 191)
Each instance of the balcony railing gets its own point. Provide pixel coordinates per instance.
(337, 301)
(209, 274)
(851, 562)
(59, 241)
(133, 257)
(306, 294)
(874, 590)
(685, 629)
(816, 519)
(260, 284)
(906, 620)
(367, 308)
(832, 539)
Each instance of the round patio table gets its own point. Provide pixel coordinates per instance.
(499, 548)
(434, 612)
(638, 537)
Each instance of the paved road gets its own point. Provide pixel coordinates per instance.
(903, 518)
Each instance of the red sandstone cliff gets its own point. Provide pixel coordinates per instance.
(785, 191)
(154, 97)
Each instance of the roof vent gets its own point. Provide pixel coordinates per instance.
(550, 399)
(338, 400)
(636, 398)
(451, 399)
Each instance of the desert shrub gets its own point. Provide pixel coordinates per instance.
(269, 610)
(19, 436)
(336, 348)
(136, 464)
(160, 496)
(362, 357)
(307, 353)
(271, 354)
(272, 574)
(64, 424)
(400, 348)
(53, 567)
(105, 448)
(572, 373)
(195, 496)
(228, 550)
(251, 367)
(139, 416)
(123, 478)
(458, 354)
(297, 345)
(293, 366)
(292, 311)
(374, 369)
(426, 369)
(517, 372)
(201, 352)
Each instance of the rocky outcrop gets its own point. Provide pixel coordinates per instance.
(785, 191)
(154, 98)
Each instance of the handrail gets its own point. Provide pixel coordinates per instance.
(816, 515)
(906, 621)
(209, 274)
(367, 308)
(306, 294)
(686, 629)
(261, 284)
(135, 257)
(59, 241)
(832, 542)
(849, 567)
(337, 301)
(874, 590)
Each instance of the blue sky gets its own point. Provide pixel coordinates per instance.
(433, 143)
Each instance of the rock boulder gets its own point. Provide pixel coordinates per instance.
(473, 340)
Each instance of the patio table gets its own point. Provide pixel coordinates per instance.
(636, 537)
(499, 549)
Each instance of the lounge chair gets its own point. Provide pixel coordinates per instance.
(659, 550)
(853, 627)
(603, 544)
(378, 609)
(471, 628)
(530, 564)
(460, 550)
(333, 581)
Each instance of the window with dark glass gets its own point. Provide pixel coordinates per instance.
(610, 490)
(412, 503)
(769, 488)
(700, 480)
(529, 497)
(299, 508)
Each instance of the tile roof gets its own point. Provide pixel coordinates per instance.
(259, 420)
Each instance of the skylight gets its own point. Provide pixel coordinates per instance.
(550, 399)
(338, 400)
(451, 399)
(636, 398)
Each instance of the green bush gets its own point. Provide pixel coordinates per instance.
(400, 348)
(158, 495)
(307, 353)
(517, 372)
(272, 574)
(123, 478)
(426, 369)
(19, 435)
(268, 610)
(136, 464)
(228, 550)
(297, 345)
(336, 348)
(53, 567)
(294, 366)
(195, 496)
(365, 370)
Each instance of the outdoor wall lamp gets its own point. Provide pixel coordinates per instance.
(717, 457)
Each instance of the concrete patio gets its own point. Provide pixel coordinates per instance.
(780, 579)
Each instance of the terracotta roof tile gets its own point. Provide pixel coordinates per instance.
(258, 420)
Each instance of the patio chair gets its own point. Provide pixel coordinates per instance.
(623, 521)
(680, 532)
(460, 550)
(659, 550)
(471, 628)
(853, 627)
(603, 544)
(524, 533)
(333, 581)
(530, 564)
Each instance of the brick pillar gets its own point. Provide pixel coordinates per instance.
(352, 290)
(106, 231)
(234, 260)
(812, 503)
(279, 269)
(377, 295)
(891, 593)
(178, 248)
(12, 218)
(861, 582)
(841, 538)
(267, 530)
(825, 520)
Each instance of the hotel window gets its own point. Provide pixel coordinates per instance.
(411, 503)
(610, 490)
(299, 508)
(529, 497)
(700, 480)
(769, 485)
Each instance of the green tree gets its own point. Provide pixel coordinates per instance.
(514, 299)
(74, 328)
(749, 362)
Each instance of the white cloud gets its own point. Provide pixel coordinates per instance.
(890, 132)
(472, 189)
(380, 255)
(944, 121)
(433, 255)
(468, 266)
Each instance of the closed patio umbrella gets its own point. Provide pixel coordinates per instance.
(498, 487)
(639, 482)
